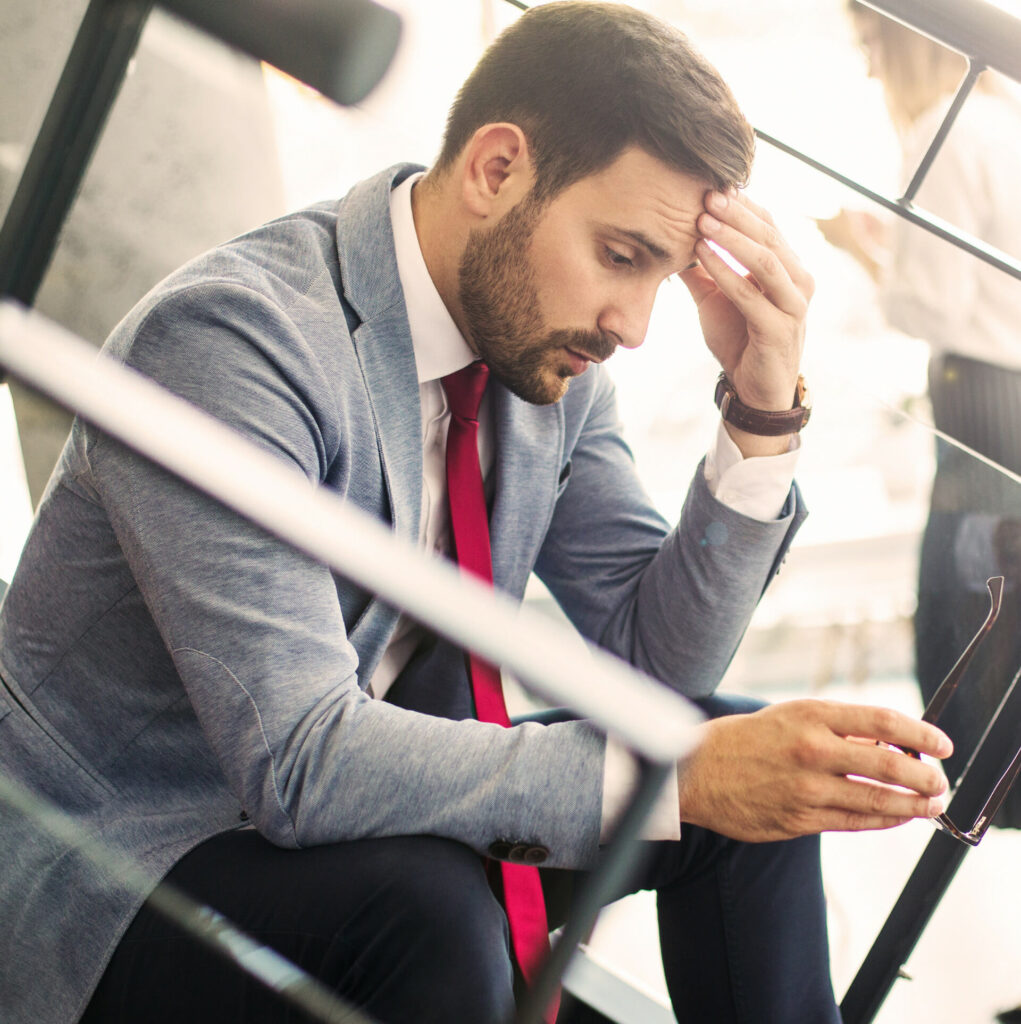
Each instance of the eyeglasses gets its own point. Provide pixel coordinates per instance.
(972, 836)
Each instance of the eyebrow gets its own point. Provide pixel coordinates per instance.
(657, 252)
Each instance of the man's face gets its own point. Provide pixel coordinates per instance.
(549, 289)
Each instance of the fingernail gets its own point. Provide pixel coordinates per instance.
(717, 201)
(709, 224)
(937, 805)
(944, 747)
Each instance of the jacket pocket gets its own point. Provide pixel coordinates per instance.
(37, 761)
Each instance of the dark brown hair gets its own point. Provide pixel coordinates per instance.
(586, 80)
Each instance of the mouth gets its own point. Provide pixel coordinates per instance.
(579, 360)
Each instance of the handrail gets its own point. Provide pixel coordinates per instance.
(642, 713)
(907, 211)
(981, 31)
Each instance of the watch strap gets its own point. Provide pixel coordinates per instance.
(759, 421)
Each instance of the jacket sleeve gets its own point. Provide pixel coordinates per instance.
(674, 603)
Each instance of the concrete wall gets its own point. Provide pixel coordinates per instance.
(188, 159)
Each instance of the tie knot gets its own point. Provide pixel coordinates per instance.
(464, 389)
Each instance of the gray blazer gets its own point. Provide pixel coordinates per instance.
(169, 670)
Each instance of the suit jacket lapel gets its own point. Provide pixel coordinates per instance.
(382, 341)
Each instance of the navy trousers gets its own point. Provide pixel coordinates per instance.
(408, 929)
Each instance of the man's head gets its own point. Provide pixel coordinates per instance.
(574, 167)
(585, 81)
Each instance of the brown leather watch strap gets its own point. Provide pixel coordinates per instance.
(758, 421)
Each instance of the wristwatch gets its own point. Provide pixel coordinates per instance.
(757, 421)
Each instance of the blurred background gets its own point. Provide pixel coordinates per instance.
(204, 143)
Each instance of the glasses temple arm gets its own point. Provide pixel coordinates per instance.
(946, 689)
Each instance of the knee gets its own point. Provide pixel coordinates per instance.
(718, 705)
(447, 894)
(455, 953)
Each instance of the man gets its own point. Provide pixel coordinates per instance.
(209, 701)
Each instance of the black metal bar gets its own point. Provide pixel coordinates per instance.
(918, 900)
(934, 871)
(339, 47)
(963, 91)
(977, 29)
(78, 109)
(604, 885)
(994, 257)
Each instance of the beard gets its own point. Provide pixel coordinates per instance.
(499, 298)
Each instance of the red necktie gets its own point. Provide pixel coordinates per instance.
(522, 890)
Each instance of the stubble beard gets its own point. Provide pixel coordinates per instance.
(500, 301)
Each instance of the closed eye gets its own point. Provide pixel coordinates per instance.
(616, 258)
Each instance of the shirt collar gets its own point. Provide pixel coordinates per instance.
(439, 346)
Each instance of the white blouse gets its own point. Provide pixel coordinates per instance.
(935, 291)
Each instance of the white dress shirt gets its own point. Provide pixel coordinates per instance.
(756, 487)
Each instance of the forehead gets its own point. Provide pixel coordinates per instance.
(640, 195)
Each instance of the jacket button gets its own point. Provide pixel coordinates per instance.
(243, 816)
(518, 853)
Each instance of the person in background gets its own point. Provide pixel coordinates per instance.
(970, 314)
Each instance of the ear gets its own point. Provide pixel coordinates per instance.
(496, 170)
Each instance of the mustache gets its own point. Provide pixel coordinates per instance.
(599, 345)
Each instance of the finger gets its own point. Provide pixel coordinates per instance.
(871, 799)
(888, 726)
(854, 809)
(772, 238)
(744, 293)
(761, 262)
(890, 765)
(756, 222)
(848, 821)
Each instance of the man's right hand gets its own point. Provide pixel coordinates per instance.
(808, 766)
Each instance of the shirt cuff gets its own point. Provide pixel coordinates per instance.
(620, 779)
(757, 487)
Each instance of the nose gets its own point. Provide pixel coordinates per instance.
(627, 314)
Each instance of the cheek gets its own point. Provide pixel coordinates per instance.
(566, 288)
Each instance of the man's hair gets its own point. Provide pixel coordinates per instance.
(584, 81)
